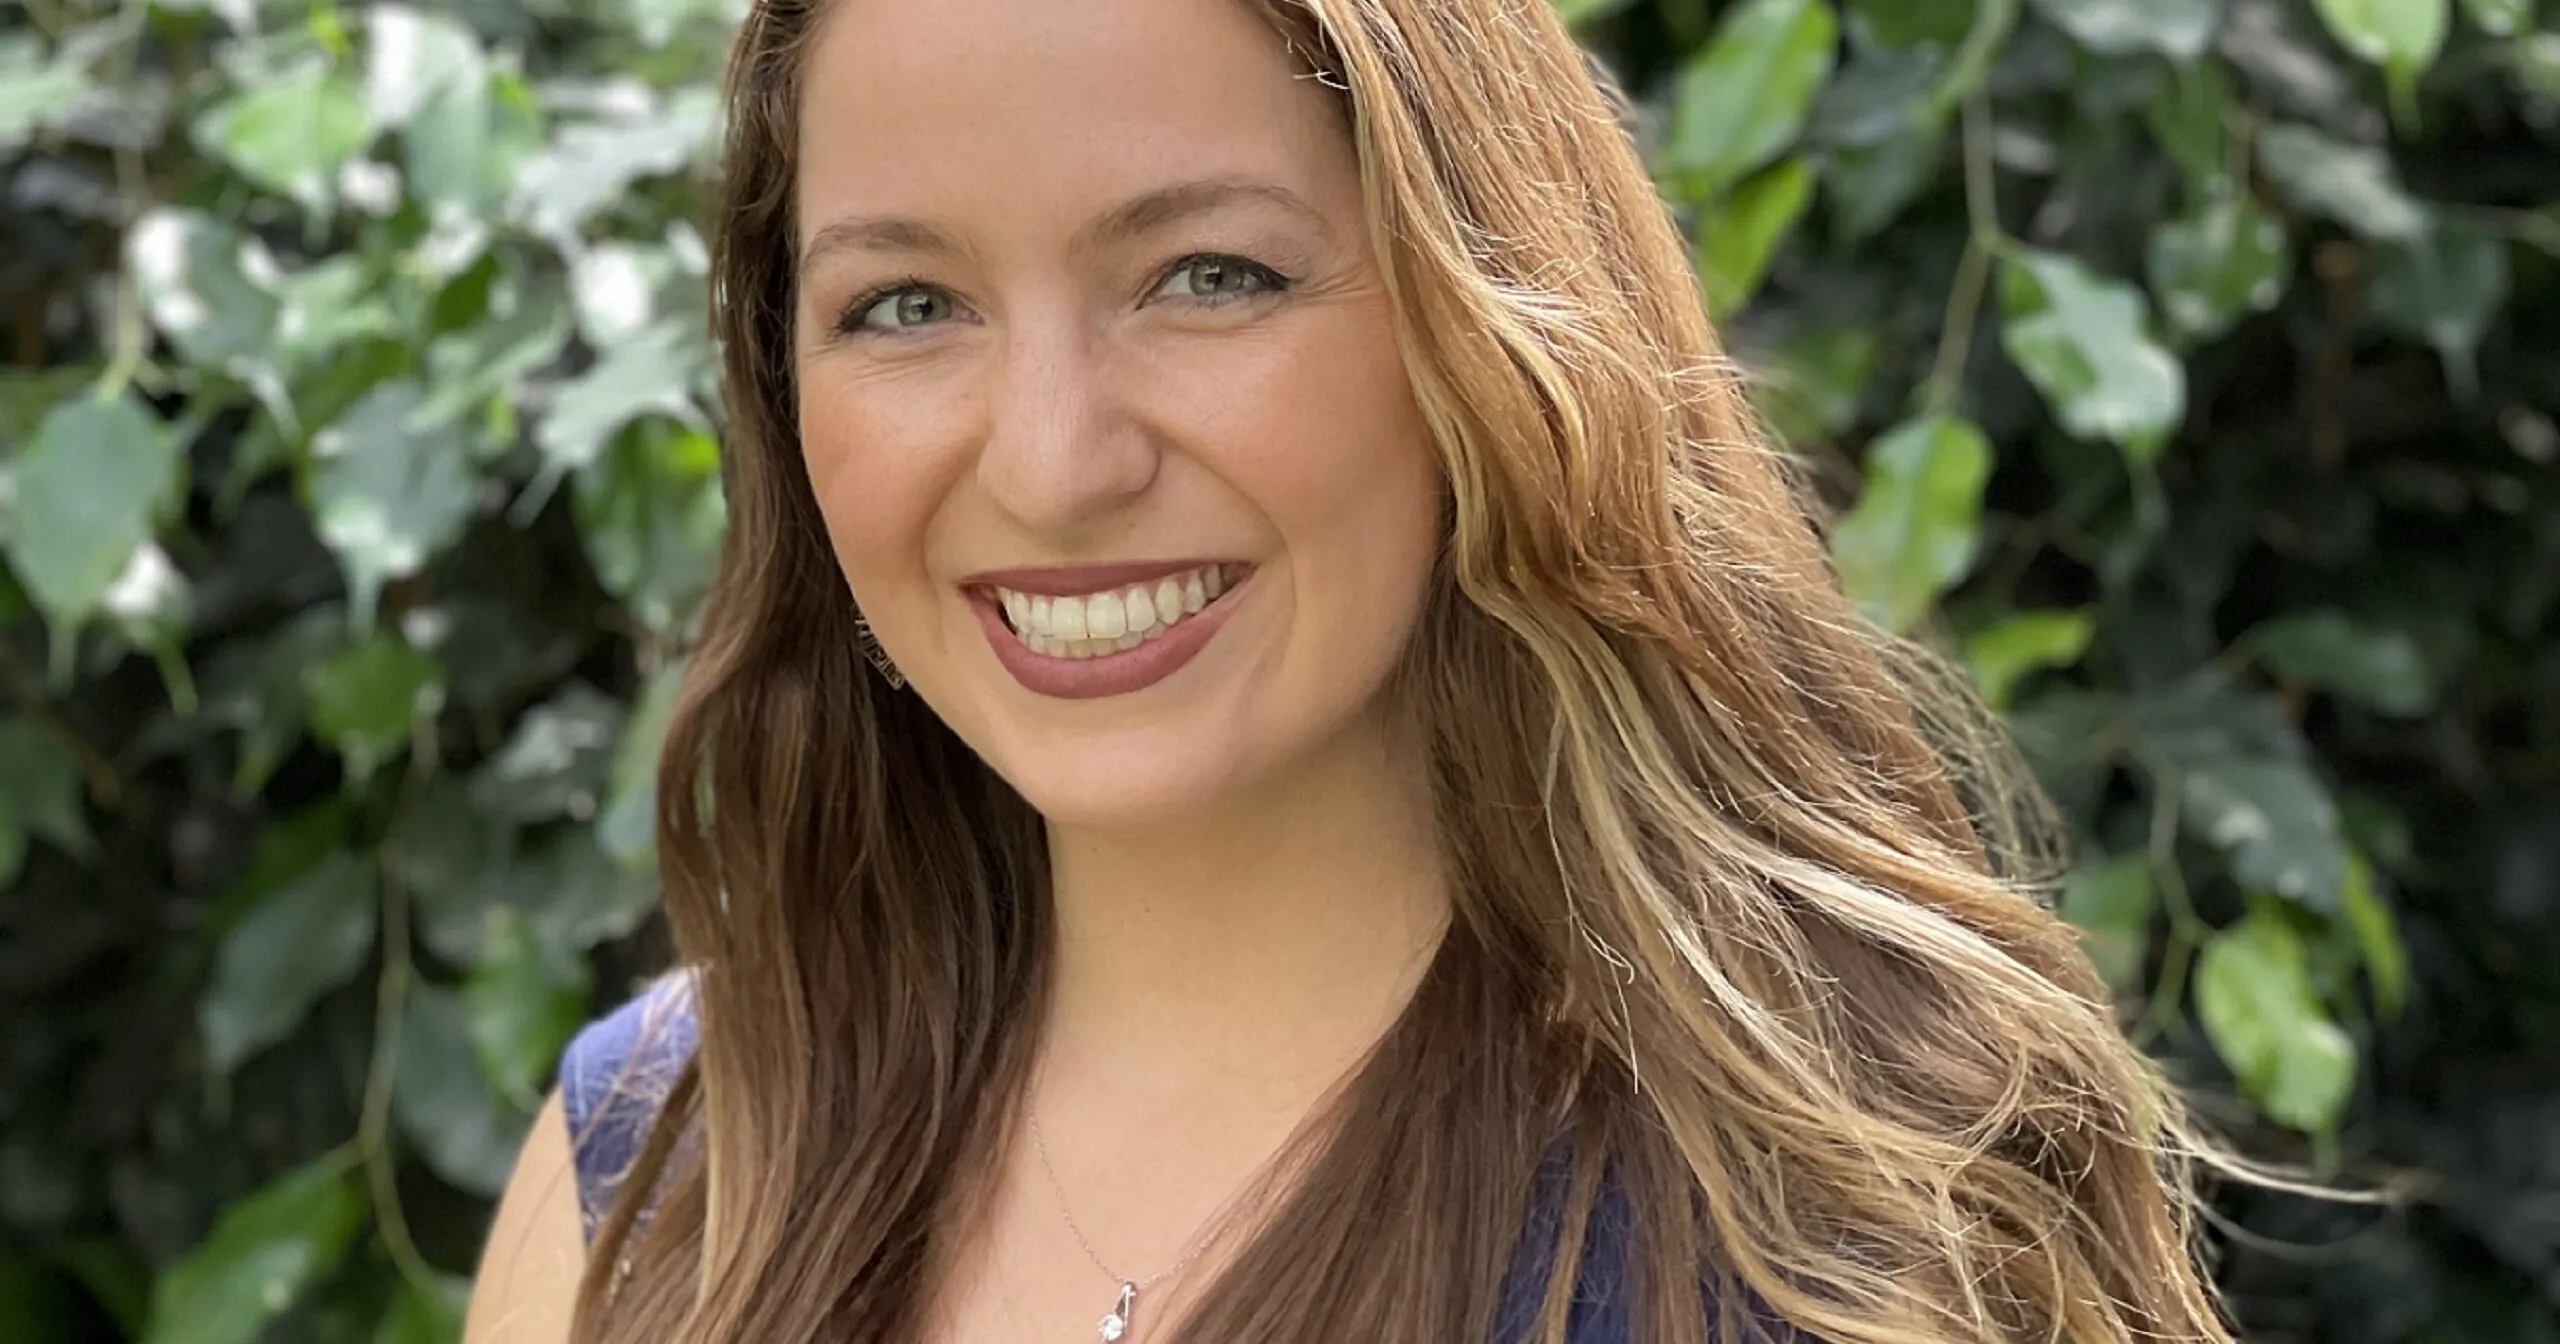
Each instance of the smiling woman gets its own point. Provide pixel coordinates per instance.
(1271, 759)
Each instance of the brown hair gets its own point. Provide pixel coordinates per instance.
(1745, 910)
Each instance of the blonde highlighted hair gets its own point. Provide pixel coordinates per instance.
(1746, 904)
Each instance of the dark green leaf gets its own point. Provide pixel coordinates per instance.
(652, 373)
(2002, 653)
(2228, 259)
(2177, 29)
(429, 1315)
(2443, 286)
(293, 135)
(466, 1134)
(521, 1004)
(2381, 668)
(1737, 240)
(2083, 340)
(2500, 18)
(1913, 531)
(2111, 904)
(1870, 185)
(1819, 382)
(366, 697)
(262, 1254)
(389, 488)
(1742, 101)
(628, 829)
(2254, 994)
(2188, 119)
(652, 516)
(84, 496)
(1915, 23)
(39, 796)
(554, 764)
(2277, 823)
(2353, 186)
(295, 944)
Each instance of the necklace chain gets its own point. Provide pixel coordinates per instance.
(1217, 1223)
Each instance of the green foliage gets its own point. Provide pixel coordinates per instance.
(2186, 364)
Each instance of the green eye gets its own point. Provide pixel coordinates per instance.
(904, 308)
(1219, 279)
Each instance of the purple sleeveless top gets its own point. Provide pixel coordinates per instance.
(618, 1069)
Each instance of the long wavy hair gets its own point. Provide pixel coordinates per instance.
(1748, 915)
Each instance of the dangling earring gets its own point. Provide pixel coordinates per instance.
(879, 656)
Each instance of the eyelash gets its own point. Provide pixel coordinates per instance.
(1273, 283)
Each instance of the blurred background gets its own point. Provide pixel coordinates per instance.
(2190, 366)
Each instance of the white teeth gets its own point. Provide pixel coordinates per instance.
(1094, 624)
(1104, 616)
(1066, 617)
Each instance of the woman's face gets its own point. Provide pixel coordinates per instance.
(1100, 393)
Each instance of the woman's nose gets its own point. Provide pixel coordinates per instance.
(1062, 447)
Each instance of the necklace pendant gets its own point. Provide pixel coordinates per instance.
(1116, 1324)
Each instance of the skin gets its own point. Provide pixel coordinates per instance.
(1248, 880)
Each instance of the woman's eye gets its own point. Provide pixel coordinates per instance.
(1218, 279)
(899, 310)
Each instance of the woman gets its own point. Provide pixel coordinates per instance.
(1358, 811)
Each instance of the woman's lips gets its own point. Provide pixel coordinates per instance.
(1118, 671)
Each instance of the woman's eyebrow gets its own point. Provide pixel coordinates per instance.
(1135, 217)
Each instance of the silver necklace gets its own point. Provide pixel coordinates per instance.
(1123, 1314)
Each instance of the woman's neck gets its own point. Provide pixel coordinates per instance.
(1259, 947)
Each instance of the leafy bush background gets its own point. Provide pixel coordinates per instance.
(2192, 364)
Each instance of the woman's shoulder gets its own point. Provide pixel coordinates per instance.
(614, 1078)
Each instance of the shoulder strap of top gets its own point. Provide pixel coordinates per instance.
(613, 1080)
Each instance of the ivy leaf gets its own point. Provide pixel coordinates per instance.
(2082, 340)
(2499, 18)
(83, 498)
(2275, 821)
(464, 1131)
(389, 489)
(365, 698)
(1914, 529)
(587, 168)
(291, 136)
(2177, 29)
(2377, 936)
(627, 832)
(2254, 994)
(555, 762)
(650, 374)
(2003, 653)
(2383, 669)
(651, 516)
(1870, 185)
(1736, 242)
(34, 92)
(411, 57)
(2443, 286)
(2228, 259)
(2188, 119)
(39, 796)
(2352, 186)
(2406, 34)
(207, 286)
(428, 1315)
(521, 1005)
(2110, 903)
(1915, 23)
(298, 942)
(262, 1254)
(1745, 97)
